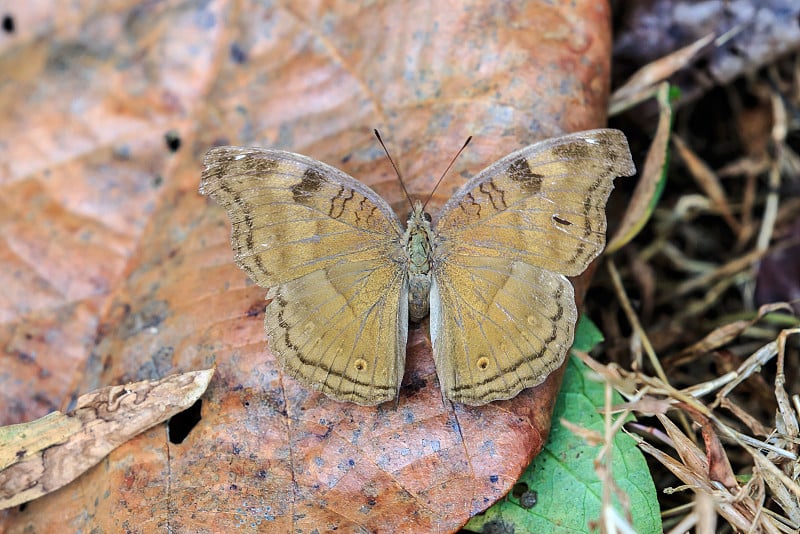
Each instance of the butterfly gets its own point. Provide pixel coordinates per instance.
(344, 275)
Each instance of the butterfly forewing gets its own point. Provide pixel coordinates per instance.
(544, 204)
(328, 248)
(502, 310)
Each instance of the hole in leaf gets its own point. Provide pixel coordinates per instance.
(182, 423)
(518, 489)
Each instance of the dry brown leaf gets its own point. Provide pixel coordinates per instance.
(708, 182)
(722, 335)
(719, 468)
(117, 269)
(694, 473)
(642, 83)
(41, 456)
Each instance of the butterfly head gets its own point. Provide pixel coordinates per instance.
(418, 217)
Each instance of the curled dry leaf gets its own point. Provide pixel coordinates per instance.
(652, 178)
(39, 457)
(643, 83)
(719, 467)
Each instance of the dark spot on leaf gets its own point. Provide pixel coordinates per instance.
(8, 24)
(122, 152)
(414, 384)
(528, 499)
(158, 365)
(182, 423)
(44, 401)
(256, 309)
(25, 357)
(173, 140)
(498, 526)
(238, 55)
(151, 315)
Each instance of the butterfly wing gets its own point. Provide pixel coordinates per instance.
(327, 248)
(502, 310)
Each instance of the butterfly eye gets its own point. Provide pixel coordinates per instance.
(426, 216)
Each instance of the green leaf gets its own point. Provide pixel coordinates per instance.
(587, 335)
(562, 480)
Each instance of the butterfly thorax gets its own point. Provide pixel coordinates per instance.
(418, 240)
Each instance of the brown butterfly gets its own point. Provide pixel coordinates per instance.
(344, 275)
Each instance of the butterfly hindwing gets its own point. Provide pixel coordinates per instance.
(326, 246)
(498, 326)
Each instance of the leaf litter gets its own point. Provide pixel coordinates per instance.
(699, 313)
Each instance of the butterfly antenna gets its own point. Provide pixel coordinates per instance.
(396, 170)
(447, 169)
